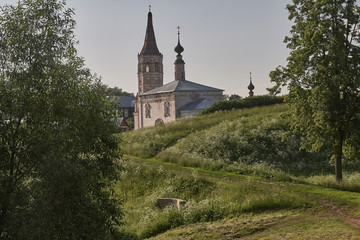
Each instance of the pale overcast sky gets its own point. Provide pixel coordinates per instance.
(224, 40)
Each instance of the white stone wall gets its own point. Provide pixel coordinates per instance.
(175, 99)
(157, 109)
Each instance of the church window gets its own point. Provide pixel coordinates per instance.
(147, 67)
(147, 111)
(126, 113)
(167, 109)
(157, 67)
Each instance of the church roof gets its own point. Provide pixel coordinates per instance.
(181, 86)
(124, 101)
(200, 104)
(150, 47)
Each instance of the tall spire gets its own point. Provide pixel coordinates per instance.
(251, 87)
(150, 47)
(179, 62)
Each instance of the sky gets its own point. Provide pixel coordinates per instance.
(224, 40)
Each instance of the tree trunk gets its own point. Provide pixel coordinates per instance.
(338, 167)
(338, 156)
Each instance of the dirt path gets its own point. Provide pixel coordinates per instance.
(352, 221)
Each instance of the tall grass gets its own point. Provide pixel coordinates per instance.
(351, 181)
(252, 140)
(216, 141)
(207, 199)
(148, 142)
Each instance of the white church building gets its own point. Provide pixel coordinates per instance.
(156, 103)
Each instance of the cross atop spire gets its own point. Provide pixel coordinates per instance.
(149, 8)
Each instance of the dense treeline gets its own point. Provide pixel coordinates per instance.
(257, 101)
(58, 153)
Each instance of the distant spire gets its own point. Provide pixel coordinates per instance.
(150, 47)
(251, 87)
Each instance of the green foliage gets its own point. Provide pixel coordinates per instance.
(351, 182)
(148, 142)
(115, 91)
(234, 228)
(251, 142)
(249, 102)
(208, 197)
(170, 218)
(58, 154)
(322, 75)
(234, 97)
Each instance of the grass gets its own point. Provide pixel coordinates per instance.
(240, 178)
(209, 196)
(215, 200)
(231, 141)
(280, 225)
(308, 226)
(351, 181)
(228, 228)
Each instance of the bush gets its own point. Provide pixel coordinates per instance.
(255, 140)
(248, 102)
(170, 218)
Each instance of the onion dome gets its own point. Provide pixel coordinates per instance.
(251, 86)
(179, 49)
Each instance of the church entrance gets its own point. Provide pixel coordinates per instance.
(159, 122)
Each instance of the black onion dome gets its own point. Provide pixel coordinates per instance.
(251, 86)
(178, 49)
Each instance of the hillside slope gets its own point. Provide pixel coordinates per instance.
(231, 206)
(231, 140)
(241, 177)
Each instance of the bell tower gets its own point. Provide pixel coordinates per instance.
(179, 62)
(150, 61)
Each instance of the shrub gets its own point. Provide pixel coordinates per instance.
(248, 102)
(170, 218)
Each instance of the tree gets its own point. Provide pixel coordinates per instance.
(115, 91)
(234, 97)
(58, 154)
(322, 75)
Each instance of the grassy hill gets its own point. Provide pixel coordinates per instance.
(240, 177)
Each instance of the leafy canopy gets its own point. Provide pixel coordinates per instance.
(58, 154)
(322, 75)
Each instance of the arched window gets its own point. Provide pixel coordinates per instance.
(166, 109)
(147, 67)
(147, 111)
(159, 121)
